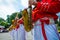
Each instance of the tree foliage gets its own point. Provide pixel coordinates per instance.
(3, 23)
(9, 19)
(12, 16)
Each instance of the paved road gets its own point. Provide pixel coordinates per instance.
(5, 36)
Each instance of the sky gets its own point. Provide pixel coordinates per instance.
(7, 7)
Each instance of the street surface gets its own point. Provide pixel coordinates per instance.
(5, 36)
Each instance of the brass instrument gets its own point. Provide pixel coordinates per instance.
(13, 26)
(27, 17)
(14, 23)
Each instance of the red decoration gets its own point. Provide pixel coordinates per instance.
(46, 8)
(20, 21)
(17, 26)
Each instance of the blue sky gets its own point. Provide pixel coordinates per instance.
(7, 7)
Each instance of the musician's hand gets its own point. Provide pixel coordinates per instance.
(32, 2)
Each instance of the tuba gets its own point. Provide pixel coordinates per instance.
(27, 17)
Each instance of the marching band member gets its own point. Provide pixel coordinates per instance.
(21, 29)
(43, 17)
(12, 30)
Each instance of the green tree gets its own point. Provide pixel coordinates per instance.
(12, 16)
(3, 23)
(1, 19)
